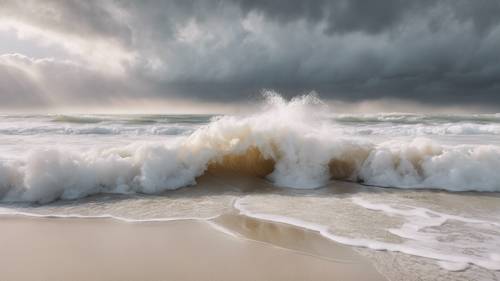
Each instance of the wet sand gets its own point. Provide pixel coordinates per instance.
(107, 249)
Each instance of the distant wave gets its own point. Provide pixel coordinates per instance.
(78, 119)
(131, 119)
(389, 125)
(464, 129)
(289, 143)
(407, 118)
(458, 129)
(98, 130)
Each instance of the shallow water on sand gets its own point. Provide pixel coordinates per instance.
(418, 235)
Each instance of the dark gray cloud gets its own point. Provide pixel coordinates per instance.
(340, 15)
(375, 16)
(434, 51)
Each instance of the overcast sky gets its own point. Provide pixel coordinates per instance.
(109, 54)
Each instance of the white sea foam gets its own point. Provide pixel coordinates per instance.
(433, 234)
(13, 212)
(295, 141)
(420, 234)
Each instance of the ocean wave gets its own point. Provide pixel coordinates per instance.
(289, 143)
(78, 119)
(462, 129)
(137, 119)
(412, 118)
(172, 129)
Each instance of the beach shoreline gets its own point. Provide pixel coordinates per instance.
(109, 249)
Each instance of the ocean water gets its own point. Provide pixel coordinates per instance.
(417, 193)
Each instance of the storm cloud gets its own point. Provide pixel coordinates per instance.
(428, 51)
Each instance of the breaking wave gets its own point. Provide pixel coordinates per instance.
(290, 143)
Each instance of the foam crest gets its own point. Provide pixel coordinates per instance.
(425, 164)
(290, 134)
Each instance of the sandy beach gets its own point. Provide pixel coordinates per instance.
(107, 249)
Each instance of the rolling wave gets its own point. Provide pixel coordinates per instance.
(292, 144)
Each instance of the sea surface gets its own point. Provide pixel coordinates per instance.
(416, 193)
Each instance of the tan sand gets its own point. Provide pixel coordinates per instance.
(105, 249)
